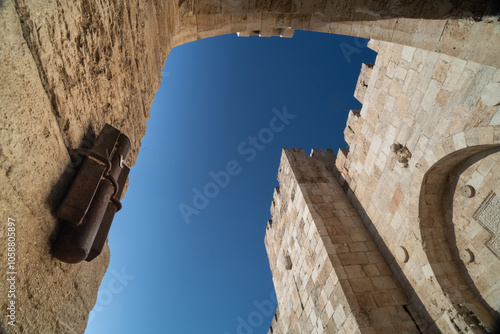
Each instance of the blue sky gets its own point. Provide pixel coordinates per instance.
(187, 249)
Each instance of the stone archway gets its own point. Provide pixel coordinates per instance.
(462, 303)
(105, 59)
(472, 214)
(69, 67)
(439, 27)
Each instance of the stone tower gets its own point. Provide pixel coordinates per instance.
(328, 272)
(400, 231)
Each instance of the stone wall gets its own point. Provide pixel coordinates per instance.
(68, 67)
(328, 274)
(468, 31)
(473, 210)
(434, 218)
(434, 105)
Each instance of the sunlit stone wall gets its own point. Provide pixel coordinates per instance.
(438, 108)
(328, 273)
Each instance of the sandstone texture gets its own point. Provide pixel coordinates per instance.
(66, 70)
(69, 67)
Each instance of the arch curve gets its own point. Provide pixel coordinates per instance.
(428, 26)
(430, 182)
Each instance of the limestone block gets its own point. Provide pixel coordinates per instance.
(430, 94)
(239, 22)
(490, 95)
(300, 21)
(495, 120)
(383, 30)
(283, 21)
(363, 80)
(485, 135)
(339, 316)
(234, 6)
(211, 6)
(428, 34)
(482, 44)
(480, 79)
(454, 37)
(254, 21)
(319, 23)
(404, 31)
(287, 33)
(340, 27)
(362, 29)
(360, 285)
(441, 70)
(268, 22)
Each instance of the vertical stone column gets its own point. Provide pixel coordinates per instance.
(338, 281)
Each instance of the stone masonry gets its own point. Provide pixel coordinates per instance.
(337, 280)
(69, 67)
(434, 105)
(434, 218)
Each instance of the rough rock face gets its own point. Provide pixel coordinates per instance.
(69, 67)
(96, 63)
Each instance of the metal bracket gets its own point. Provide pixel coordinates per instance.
(93, 199)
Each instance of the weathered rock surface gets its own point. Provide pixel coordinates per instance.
(66, 69)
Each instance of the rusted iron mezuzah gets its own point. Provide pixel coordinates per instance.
(93, 199)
